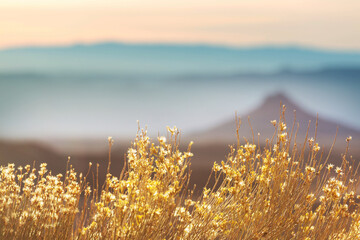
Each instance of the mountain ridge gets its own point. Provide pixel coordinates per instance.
(266, 47)
(171, 58)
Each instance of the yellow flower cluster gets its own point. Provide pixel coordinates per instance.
(146, 203)
(279, 191)
(37, 205)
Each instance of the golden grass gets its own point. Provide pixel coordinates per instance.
(276, 192)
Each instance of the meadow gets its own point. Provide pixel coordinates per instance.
(283, 190)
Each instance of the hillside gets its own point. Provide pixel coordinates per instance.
(269, 110)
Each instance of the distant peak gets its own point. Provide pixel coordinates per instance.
(277, 98)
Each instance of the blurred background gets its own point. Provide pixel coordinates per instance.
(73, 73)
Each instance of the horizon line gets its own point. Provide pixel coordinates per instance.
(189, 44)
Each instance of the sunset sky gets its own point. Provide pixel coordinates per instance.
(331, 24)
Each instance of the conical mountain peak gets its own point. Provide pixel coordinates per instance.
(276, 100)
(269, 110)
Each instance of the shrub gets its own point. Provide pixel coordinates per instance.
(280, 191)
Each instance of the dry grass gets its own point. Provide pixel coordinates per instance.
(276, 192)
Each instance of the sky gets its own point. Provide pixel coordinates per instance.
(330, 24)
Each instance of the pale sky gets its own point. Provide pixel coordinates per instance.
(333, 24)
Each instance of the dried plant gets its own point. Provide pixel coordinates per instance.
(280, 191)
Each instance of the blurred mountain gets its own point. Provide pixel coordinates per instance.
(161, 59)
(270, 110)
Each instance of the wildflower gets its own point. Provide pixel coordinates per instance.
(189, 202)
(172, 130)
(216, 167)
(309, 169)
(338, 170)
(330, 166)
(282, 126)
(316, 147)
(275, 147)
(309, 196)
(283, 137)
(162, 139)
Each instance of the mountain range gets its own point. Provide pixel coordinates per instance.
(127, 60)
